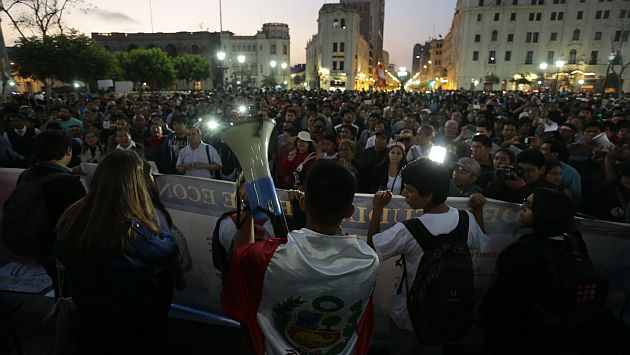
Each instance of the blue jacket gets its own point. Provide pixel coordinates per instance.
(123, 285)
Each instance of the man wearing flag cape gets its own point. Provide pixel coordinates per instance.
(309, 293)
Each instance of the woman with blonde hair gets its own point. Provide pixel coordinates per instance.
(112, 243)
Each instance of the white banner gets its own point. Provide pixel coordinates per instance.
(196, 203)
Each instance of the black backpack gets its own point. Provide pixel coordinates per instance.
(220, 256)
(441, 298)
(573, 298)
(27, 226)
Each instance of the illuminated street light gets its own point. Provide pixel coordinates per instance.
(543, 66)
(559, 65)
(221, 55)
(273, 63)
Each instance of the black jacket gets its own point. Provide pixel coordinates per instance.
(59, 193)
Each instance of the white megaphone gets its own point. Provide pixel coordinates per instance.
(602, 140)
(249, 141)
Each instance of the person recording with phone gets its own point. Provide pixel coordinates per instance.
(515, 182)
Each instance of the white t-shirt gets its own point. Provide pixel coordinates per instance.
(227, 231)
(394, 184)
(397, 240)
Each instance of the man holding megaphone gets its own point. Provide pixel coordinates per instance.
(311, 291)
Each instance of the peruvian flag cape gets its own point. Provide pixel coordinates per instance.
(306, 294)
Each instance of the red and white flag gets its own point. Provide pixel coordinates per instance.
(306, 294)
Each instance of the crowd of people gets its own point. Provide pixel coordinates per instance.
(553, 155)
(502, 145)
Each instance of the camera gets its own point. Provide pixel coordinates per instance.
(509, 172)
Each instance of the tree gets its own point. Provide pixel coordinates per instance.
(191, 67)
(62, 57)
(152, 66)
(269, 81)
(40, 17)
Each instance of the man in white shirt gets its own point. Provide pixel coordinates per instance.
(198, 158)
(424, 143)
(426, 187)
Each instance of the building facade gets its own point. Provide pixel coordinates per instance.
(501, 44)
(271, 44)
(372, 13)
(337, 57)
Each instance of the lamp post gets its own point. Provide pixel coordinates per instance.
(221, 58)
(543, 66)
(611, 57)
(241, 60)
(284, 66)
(402, 74)
(273, 64)
(559, 65)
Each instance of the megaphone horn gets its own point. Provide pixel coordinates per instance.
(249, 141)
(602, 140)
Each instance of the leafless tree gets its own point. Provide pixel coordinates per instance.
(38, 17)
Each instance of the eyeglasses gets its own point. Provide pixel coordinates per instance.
(527, 204)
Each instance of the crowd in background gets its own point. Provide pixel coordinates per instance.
(503, 145)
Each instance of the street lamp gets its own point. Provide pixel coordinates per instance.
(543, 66)
(611, 58)
(559, 65)
(284, 66)
(221, 58)
(241, 60)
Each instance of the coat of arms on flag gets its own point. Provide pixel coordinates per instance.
(322, 326)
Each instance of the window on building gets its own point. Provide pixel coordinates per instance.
(480, 2)
(513, 16)
(532, 16)
(194, 49)
(496, 16)
(492, 59)
(606, 14)
(341, 66)
(494, 35)
(197, 85)
(550, 56)
(479, 17)
(272, 49)
(510, 37)
(508, 56)
(598, 14)
(335, 47)
(528, 37)
(622, 14)
(529, 57)
(343, 23)
(553, 16)
(475, 56)
(579, 15)
(593, 58)
(572, 56)
(498, 2)
(535, 37)
(560, 16)
(514, 2)
(538, 16)
(576, 35)
(598, 36)
(477, 38)
(342, 47)
(335, 23)
(285, 49)
(334, 65)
